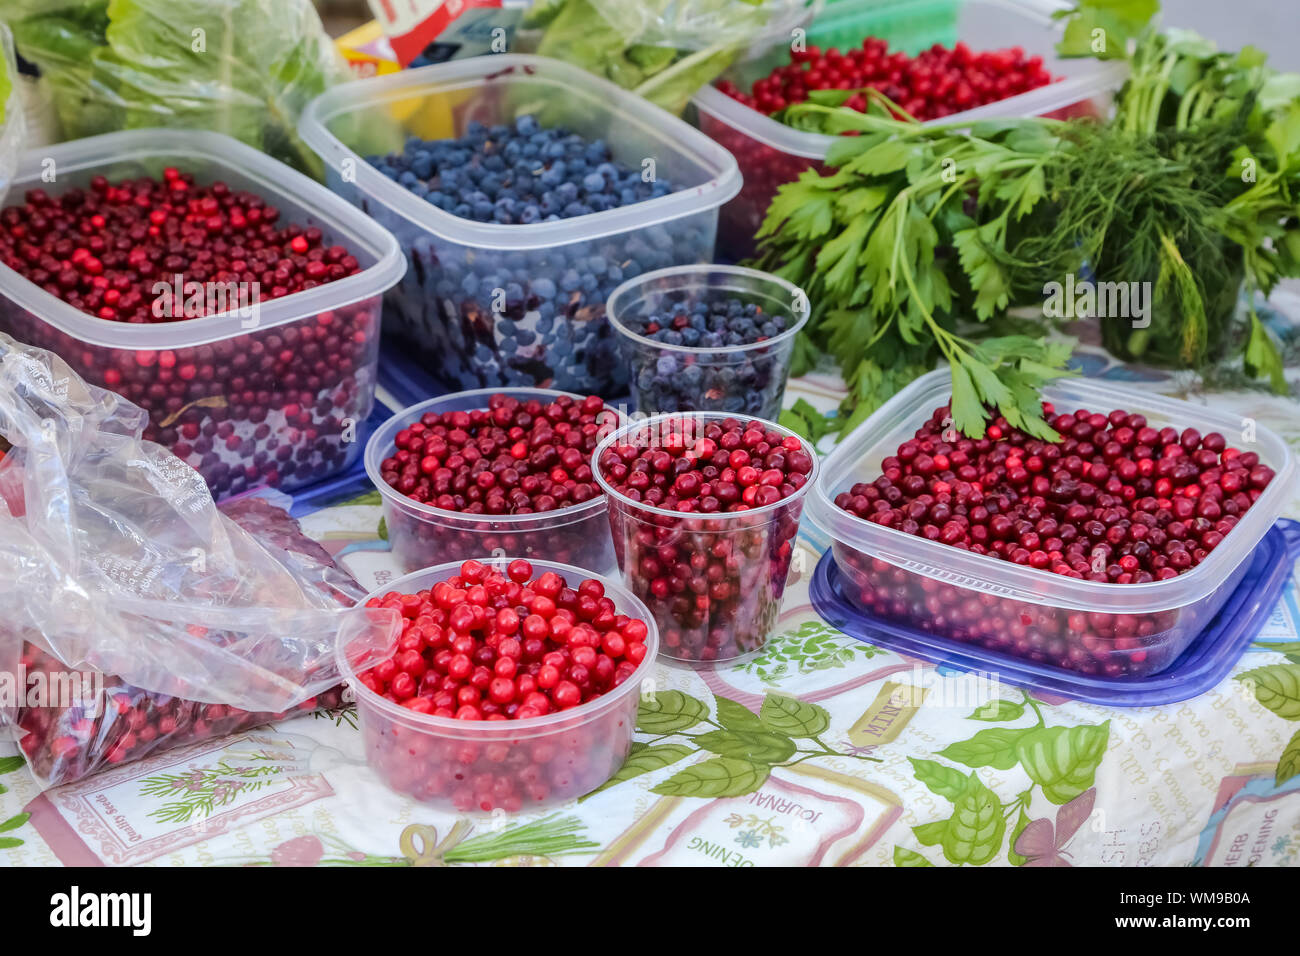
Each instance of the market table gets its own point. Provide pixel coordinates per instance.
(883, 745)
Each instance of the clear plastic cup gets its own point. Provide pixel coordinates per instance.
(480, 765)
(421, 535)
(738, 379)
(713, 582)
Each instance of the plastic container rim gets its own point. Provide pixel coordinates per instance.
(653, 420)
(454, 519)
(274, 181)
(724, 182)
(1107, 75)
(943, 563)
(633, 285)
(624, 601)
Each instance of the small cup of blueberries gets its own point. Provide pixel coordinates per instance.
(708, 338)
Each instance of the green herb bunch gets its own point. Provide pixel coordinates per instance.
(914, 241)
(1193, 186)
(902, 246)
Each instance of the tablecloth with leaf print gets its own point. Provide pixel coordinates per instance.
(821, 750)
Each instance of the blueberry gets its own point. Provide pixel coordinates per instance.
(718, 377)
(556, 333)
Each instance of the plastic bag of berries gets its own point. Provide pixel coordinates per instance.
(114, 560)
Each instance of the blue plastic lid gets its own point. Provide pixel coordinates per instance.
(347, 484)
(1206, 661)
(405, 378)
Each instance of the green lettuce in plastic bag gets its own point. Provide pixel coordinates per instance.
(245, 68)
(664, 50)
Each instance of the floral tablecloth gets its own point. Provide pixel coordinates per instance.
(883, 760)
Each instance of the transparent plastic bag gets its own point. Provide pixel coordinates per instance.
(114, 560)
(12, 125)
(245, 68)
(663, 50)
(697, 24)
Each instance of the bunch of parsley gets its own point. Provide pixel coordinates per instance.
(917, 239)
(902, 247)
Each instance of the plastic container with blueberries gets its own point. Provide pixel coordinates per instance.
(677, 376)
(770, 153)
(422, 535)
(233, 414)
(1072, 625)
(482, 765)
(488, 304)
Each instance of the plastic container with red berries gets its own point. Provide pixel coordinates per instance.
(483, 755)
(708, 548)
(423, 534)
(1108, 620)
(771, 153)
(249, 397)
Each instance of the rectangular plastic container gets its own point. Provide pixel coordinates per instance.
(490, 304)
(486, 765)
(216, 388)
(771, 154)
(1096, 629)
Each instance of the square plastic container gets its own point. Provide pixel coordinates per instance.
(1071, 624)
(422, 535)
(216, 388)
(490, 304)
(771, 154)
(481, 765)
(714, 582)
(743, 379)
(1203, 665)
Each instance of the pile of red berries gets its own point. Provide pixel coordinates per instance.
(272, 406)
(931, 85)
(711, 572)
(102, 249)
(486, 646)
(1115, 500)
(514, 457)
(498, 649)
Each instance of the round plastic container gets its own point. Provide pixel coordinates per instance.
(738, 379)
(512, 764)
(700, 618)
(771, 153)
(422, 535)
(1087, 627)
(249, 397)
(492, 304)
